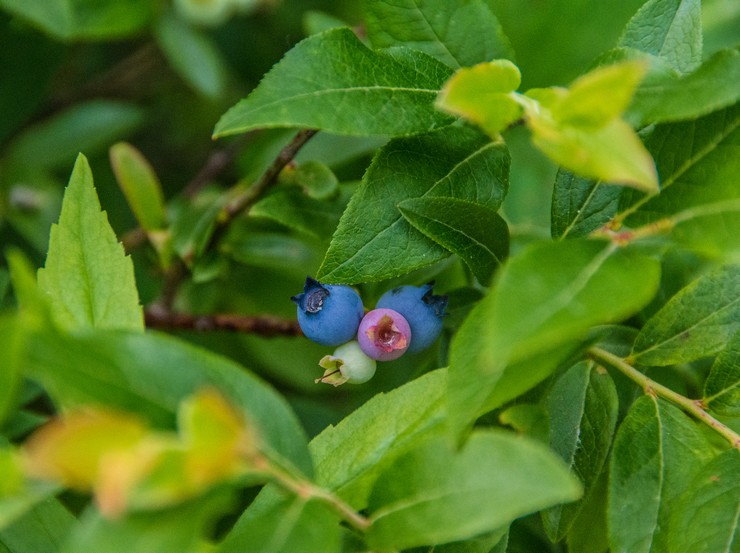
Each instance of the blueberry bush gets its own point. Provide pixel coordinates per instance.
(566, 174)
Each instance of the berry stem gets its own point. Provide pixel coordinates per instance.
(693, 407)
(268, 326)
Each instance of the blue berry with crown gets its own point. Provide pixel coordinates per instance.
(328, 314)
(423, 310)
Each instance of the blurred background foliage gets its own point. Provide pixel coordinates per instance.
(81, 75)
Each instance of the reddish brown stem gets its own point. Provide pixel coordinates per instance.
(262, 325)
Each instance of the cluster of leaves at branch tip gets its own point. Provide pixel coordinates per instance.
(129, 466)
(579, 127)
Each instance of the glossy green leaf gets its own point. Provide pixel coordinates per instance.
(668, 29)
(373, 241)
(193, 55)
(665, 95)
(140, 185)
(86, 127)
(475, 233)
(698, 164)
(87, 276)
(544, 299)
(456, 33)
(493, 542)
(583, 408)
(722, 387)
(705, 518)
(278, 522)
(81, 19)
(697, 322)
(482, 94)
(581, 205)
(182, 528)
(657, 451)
(332, 82)
(434, 494)
(166, 371)
(42, 529)
(295, 210)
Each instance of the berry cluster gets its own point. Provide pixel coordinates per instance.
(407, 318)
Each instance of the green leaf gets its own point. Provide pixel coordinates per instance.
(316, 179)
(277, 522)
(88, 278)
(349, 456)
(581, 205)
(705, 517)
(140, 185)
(697, 322)
(434, 494)
(544, 299)
(665, 95)
(583, 409)
(43, 529)
(165, 371)
(12, 344)
(456, 33)
(656, 452)
(332, 82)
(722, 387)
(668, 29)
(87, 127)
(373, 241)
(81, 19)
(698, 165)
(482, 94)
(588, 534)
(295, 210)
(475, 233)
(182, 528)
(193, 55)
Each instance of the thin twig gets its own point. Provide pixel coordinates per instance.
(692, 407)
(262, 325)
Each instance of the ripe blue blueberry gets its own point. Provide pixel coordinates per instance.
(384, 334)
(421, 308)
(328, 314)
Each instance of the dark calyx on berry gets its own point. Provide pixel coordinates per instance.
(437, 303)
(311, 300)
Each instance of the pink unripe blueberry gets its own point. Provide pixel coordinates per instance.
(384, 334)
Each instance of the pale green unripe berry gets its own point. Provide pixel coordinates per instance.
(348, 364)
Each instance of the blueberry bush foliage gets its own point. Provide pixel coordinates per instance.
(568, 173)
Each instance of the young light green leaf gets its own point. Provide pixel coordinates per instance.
(698, 164)
(456, 33)
(583, 409)
(88, 278)
(581, 205)
(657, 450)
(140, 185)
(697, 322)
(192, 55)
(545, 299)
(610, 153)
(373, 241)
(332, 82)
(475, 233)
(705, 517)
(668, 29)
(722, 387)
(434, 494)
(482, 94)
(166, 371)
(277, 522)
